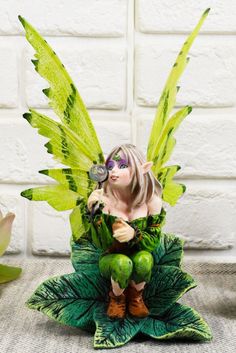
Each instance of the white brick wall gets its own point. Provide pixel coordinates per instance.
(100, 18)
(208, 81)
(119, 53)
(174, 16)
(9, 76)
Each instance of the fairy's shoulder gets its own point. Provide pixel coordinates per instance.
(154, 205)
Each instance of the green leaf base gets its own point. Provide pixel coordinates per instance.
(80, 299)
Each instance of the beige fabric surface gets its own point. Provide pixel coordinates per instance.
(28, 331)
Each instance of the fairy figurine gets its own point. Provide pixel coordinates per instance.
(131, 197)
(128, 274)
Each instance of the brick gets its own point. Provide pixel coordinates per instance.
(208, 80)
(50, 230)
(205, 216)
(98, 72)
(205, 145)
(112, 134)
(182, 16)
(60, 17)
(24, 151)
(11, 201)
(9, 81)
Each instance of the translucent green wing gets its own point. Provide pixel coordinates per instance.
(167, 140)
(57, 196)
(73, 141)
(79, 222)
(75, 180)
(62, 93)
(168, 97)
(171, 190)
(74, 187)
(162, 141)
(66, 147)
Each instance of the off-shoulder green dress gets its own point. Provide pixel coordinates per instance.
(131, 260)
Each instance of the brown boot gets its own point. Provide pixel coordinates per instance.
(117, 306)
(136, 304)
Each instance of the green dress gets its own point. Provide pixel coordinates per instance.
(131, 260)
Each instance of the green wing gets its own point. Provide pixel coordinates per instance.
(74, 187)
(79, 222)
(72, 141)
(171, 190)
(63, 143)
(62, 93)
(162, 141)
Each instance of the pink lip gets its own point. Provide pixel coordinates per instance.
(114, 177)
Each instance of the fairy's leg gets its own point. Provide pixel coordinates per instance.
(142, 270)
(142, 266)
(118, 268)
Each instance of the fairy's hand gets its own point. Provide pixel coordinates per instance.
(122, 231)
(95, 197)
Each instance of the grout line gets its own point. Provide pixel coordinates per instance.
(130, 68)
(113, 36)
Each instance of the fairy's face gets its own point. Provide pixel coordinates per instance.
(119, 171)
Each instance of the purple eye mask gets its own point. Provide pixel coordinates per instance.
(110, 163)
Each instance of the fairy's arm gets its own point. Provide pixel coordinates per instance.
(98, 196)
(149, 238)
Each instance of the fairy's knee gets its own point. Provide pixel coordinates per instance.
(142, 266)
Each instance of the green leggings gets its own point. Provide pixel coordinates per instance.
(122, 268)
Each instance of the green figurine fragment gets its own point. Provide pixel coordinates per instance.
(7, 273)
(128, 275)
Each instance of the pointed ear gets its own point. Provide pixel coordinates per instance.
(145, 167)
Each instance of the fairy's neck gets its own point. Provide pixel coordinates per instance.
(124, 195)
